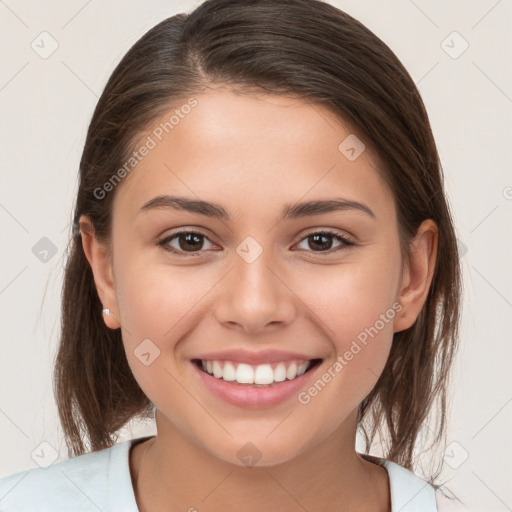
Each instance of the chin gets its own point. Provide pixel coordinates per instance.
(260, 452)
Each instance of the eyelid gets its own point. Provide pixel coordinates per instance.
(164, 242)
(329, 231)
(346, 241)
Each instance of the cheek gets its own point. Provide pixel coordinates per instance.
(349, 298)
(154, 299)
(355, 304)
(156, 304)
(357, 319)
(159, 307)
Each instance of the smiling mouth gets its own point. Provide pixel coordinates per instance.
(262, 375)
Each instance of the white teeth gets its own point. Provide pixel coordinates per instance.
(280, 373)
(229, 372)
(263, 374)
(245, 374)
(291, 373)
(260, 375)
(217, 369)
(302, 369)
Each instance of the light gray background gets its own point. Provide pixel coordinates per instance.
(46, 104)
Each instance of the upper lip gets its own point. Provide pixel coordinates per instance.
(252, 357)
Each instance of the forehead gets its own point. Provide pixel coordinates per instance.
(260, 149)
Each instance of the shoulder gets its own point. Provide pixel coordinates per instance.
(80, 483)
(409, 492)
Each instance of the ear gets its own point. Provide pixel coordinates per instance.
(98, 255)
(417, 275)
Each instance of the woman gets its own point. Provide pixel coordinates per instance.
(263, 255)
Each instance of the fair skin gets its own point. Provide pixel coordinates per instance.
(252, 155)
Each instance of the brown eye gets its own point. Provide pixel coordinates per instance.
(185, 242)
(323, 241)
(190, 241)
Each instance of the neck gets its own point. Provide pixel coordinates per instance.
(171, 472)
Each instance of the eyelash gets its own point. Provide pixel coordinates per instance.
(164, 243)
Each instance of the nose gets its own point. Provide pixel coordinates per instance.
(254, 296)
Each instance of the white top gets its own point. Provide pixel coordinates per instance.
(101, 481)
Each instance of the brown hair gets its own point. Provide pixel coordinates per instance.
(305, 48)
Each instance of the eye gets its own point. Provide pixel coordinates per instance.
(184, 242)
(322, 241)
(191, 243)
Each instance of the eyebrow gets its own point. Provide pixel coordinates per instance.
(290, 211)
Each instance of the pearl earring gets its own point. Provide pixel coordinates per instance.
(106, 312)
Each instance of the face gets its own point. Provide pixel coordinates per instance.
(256, 283)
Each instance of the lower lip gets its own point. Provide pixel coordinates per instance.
(254, 397)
